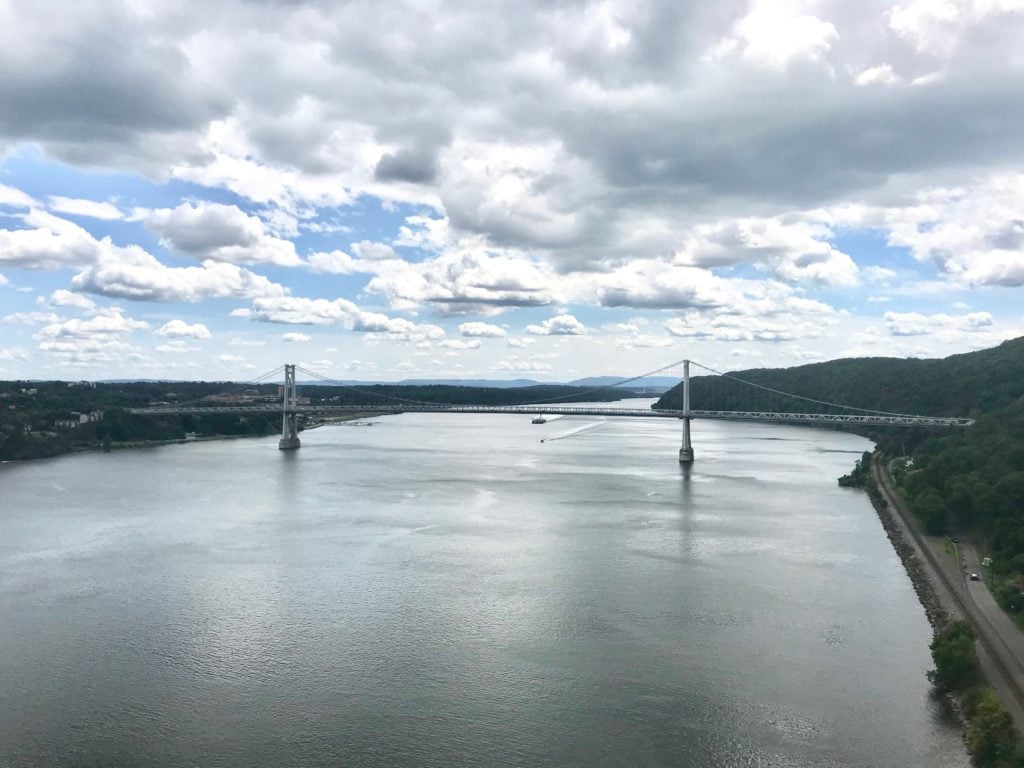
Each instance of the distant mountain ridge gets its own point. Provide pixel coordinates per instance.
(649, 383)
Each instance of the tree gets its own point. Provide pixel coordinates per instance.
(931, 509)
(956, 665)
(990, 735)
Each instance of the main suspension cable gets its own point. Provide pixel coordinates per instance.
(798, 397)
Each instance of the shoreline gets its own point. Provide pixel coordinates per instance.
(134, 444)
(940, 595)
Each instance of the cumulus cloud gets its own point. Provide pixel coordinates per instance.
(459, 344)
(559, 325)
(132, 273)
(775, 34)
(53, 244)
(99, 339)
(63, 298)
(482, 330)
(519, 343)
(179, 329)
(792, 249)
(916, 324)
(90, 208)
(526, 366)
(303, 311)
(416, 166)
(295, 337)
(881, 74)
(217, 232)
(15, 198)
(371, 251)
(175, 347)
(13, 355)
(973, 234)
(643, 341)
(766, 312)
(333, 262)
(462, 281)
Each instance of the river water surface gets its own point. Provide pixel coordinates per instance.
(441, 590)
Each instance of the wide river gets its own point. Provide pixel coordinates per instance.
(447, 591)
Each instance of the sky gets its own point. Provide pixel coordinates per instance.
(528, 189)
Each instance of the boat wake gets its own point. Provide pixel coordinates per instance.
(571, 432)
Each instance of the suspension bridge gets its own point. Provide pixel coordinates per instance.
(293, 409)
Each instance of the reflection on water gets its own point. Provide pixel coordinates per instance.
(446, 590)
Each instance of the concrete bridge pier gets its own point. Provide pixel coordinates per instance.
(290, 422)
(686, 452)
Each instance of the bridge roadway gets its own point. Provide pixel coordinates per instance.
(569, 410)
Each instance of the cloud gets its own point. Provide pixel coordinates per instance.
(217, 232)
(791, 248)
(175, 347)
(89, 208)
(603, 110)
(876, 274)
(128, 272)
(939, 27)
(333, 262)
(916, 324)
(62, 298)
(766, 312)
(710, 165)
(15, 198)
(179, 329)
(482, 330)
(413, 166)
(459, 343)
(132, 273)
(527, 366)
(775, 34)
(99, 339)
(370, 251)
(462, 281)
(303, 311)
(13, 355)
(881, 74)
(295, 337)
(559, 325)
(56, 243)
(30, 318)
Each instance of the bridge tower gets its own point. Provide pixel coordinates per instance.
(686, 452)
(290, 420)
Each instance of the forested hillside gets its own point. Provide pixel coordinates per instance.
(956, 386)
(966, 481)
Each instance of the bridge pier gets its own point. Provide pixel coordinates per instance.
(290, 420)
(686, 451)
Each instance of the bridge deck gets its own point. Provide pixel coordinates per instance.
(571, 410)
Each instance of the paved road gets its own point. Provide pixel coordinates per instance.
(1000, 644)
(979, 593)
